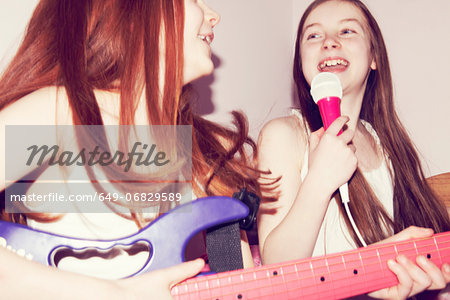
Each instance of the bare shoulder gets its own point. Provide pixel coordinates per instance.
(285, 131)
(46, 106)
(281, 145)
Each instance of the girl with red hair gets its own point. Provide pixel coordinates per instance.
(115, 62)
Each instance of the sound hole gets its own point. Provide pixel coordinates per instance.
(322, 279)
(275, 273)
(428, 255)
(355, 271)
(117, 262)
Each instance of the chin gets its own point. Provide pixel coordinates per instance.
(200, 72)
(208, 68)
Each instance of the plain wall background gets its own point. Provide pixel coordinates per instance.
(253, 52)
(255, 41)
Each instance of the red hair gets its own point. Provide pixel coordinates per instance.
(114, 45)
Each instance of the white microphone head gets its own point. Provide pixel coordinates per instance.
(324, 85)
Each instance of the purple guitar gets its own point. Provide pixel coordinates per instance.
(181, 224)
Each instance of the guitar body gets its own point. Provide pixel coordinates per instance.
(167, 236)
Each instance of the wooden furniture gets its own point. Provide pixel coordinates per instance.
(441, 186)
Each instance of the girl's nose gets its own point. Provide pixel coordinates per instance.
(212, 16)
(331, 43)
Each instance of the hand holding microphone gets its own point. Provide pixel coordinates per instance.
(330, 153)
(326, 90)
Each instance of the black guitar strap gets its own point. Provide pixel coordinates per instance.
(223, 242)
(223, 245)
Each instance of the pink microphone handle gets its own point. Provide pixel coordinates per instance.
(330, 110)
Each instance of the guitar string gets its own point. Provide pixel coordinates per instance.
(308, 262)
(310, 267)
(302, 289)
(352, 254)
(382, 282)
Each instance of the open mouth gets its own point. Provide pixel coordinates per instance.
(208, 38)
(335, 64)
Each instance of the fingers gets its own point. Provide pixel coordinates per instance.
(412, 232)
(414, 278)
(337, 125)
(352, 147)
(333, 130)
(183, 271)
(437, 278)
(405, 286)
(346, 137)
(400, 291)
(446, 272)
(314, 138)
(420, 278)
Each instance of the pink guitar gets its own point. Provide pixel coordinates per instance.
(334, 276)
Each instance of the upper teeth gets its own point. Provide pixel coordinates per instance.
(206, 38)
(333, 62)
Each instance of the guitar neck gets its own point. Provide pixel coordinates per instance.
(335, 276)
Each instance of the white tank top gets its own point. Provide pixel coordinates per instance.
(333, 235)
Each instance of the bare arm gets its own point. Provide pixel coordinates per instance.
(38, 108)
(22, 279)
(288, 227)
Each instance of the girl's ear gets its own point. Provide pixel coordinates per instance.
(373, 65)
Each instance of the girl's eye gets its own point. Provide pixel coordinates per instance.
(312, 36)
(347, 31)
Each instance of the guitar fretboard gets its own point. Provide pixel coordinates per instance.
(335, 276)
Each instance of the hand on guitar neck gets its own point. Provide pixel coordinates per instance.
(413, 277)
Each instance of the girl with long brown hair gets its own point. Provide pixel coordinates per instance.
(115, 62)
(388, 193)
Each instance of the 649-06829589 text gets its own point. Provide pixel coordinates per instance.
(129, 197)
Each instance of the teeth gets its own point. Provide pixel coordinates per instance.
(205, 38)
(333, 62)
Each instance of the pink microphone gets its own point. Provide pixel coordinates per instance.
(326, 91)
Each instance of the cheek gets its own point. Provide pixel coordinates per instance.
(362, 50)
(309, 66)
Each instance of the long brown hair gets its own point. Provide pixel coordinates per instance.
(414, 201)
(114, 45)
